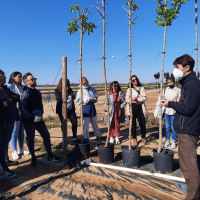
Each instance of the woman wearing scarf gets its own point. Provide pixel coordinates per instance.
(116, 99)
(15, 85)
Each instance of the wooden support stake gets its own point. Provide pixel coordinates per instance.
(64, 105)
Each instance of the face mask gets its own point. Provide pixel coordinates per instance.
(86, 87)
(178, 73)
(171, 86)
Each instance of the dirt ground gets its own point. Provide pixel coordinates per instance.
(57, 181)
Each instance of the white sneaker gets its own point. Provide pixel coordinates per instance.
(173, 145)
(167, 143)
(117, 140)
(111, 140)
(23, 152)
(15, 155)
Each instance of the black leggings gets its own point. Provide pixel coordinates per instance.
(73, 119)
(138, 113)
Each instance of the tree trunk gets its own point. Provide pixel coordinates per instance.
(196, 26)
(161, 90)
(130, 70)
(81, 88)
(64, 105)
(104, 70)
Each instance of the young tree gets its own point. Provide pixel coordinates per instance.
(132, 7)
(80, 23)
(165, 16)
(102, 13)
(196, 31)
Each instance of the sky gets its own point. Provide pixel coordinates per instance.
(33, 38)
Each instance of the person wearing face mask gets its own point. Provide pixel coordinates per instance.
(116, 99)
(15, 85)
(89, 112)
(173, 94)
(187, 123)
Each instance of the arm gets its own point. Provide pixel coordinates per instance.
(123, 100)
(23, 105)
(191, 101)
(78, 98)
(58, 95)
(15, 97)
(143, 97)
(95, 96)
(128, 95)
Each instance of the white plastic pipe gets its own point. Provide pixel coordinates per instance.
(174, 178)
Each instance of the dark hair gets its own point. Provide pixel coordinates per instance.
(59, 86)
(110, 90)
(26, 75)
(171, 79)
(139, 84)
(11, 80)
(1, 72)
(185, 60)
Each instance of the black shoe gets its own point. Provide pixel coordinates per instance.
(33, 162)
(12, 163)
(101, 137)
(53, 158)
(8, 174)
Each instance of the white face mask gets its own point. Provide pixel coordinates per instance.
(178, 73)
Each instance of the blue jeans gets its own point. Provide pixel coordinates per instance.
(169, 119)
(17, 134)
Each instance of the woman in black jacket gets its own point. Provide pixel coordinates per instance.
(70, 105)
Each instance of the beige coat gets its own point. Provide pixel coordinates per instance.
(143, 98)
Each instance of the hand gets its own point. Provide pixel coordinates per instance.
(106, 114)
(9, 99)
(91, 100)
(164, 102)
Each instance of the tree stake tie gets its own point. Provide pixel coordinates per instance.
(48, 98)
(128, 56)
(160, 53)
(194, 50)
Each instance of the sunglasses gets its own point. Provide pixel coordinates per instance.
(115, 85)
(134, 80)
(33, 79)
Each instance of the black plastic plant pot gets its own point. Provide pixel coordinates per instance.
(106, 154)
(163, 162)
(131, 158)
(84, 150)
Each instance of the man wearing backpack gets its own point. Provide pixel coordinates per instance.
(187, 123)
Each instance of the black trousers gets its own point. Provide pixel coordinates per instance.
(73, 119)
(30, 132)
(5, 134)
(138, 113)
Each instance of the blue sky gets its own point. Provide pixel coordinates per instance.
(33, 38)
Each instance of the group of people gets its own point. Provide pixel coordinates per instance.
(21, 108)
(117, 100)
